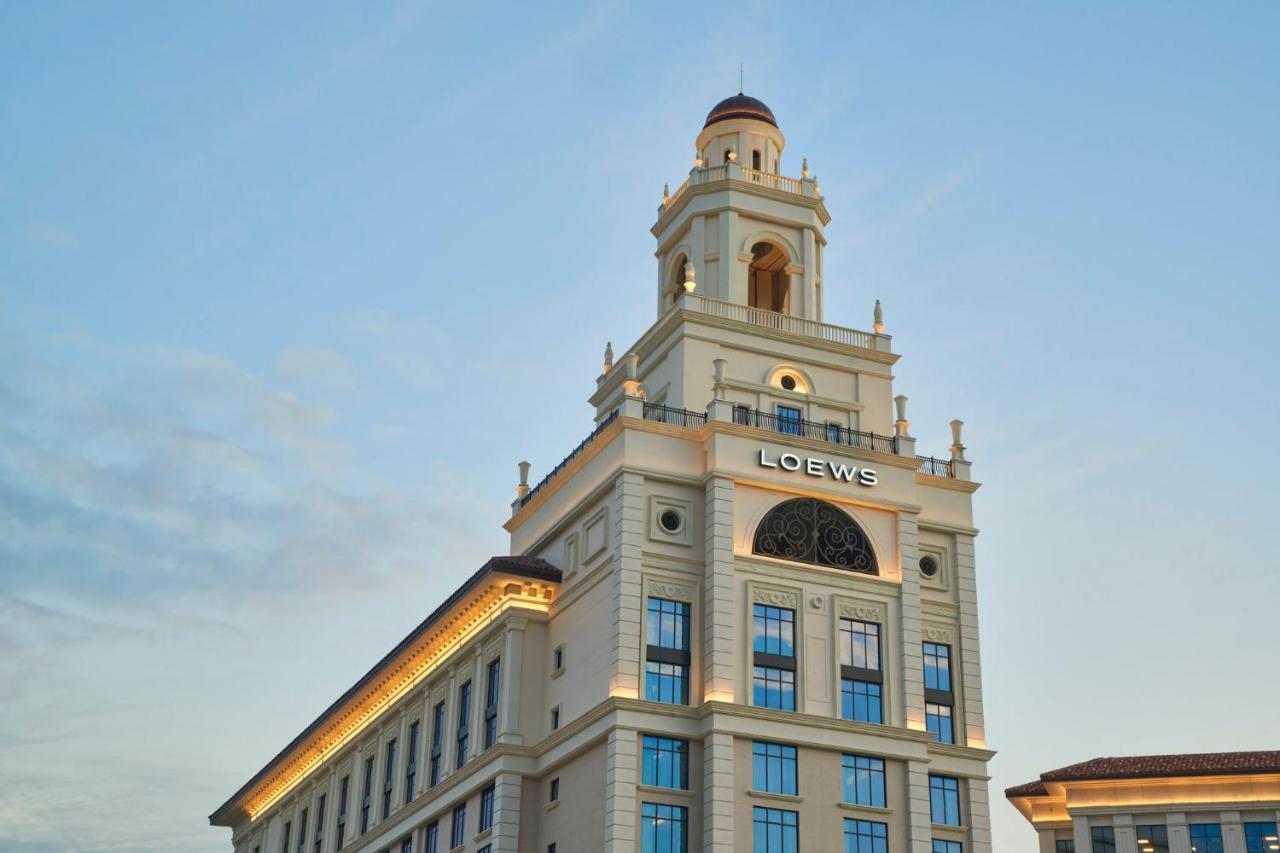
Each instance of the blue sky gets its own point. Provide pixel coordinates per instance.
(261, 264)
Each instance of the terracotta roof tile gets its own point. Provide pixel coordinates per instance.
(1152, 767)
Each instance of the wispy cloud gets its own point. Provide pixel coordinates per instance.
(50, 234)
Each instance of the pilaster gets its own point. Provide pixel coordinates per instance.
(1080, 833)
(970, 648)
(919, 824)
(506, 813)
(512, 672)
(1126, 834)
(628, 532)
(1232, 833)
(979, 815)
(620, 792)
(717, 793)
(912, 695)
(720, 651)
(1179, 835)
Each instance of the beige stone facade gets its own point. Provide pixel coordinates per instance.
(737, 400)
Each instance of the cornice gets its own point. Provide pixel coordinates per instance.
(814, 203)
(950, 483)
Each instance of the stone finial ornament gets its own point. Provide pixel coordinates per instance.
(957, 447)
(523, 488)
(608, 356)
(697, 159)
(877, 319)
(804, 167)
(901, 425)
(689, 283)
(666, 194)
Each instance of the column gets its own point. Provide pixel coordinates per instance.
(717, 793)
(728, 259)
(720, 650)
(506, 813)
(979, 815)
(512, 672)
(919, 819)
(912, 693)
(698, 252)
(1126, 835)
(628, 534)
(808, 283)
(620, 792)
(1232, 833)
(970, 656)
(1080, 832)
(1179, 835)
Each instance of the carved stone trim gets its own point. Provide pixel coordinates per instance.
(864, 610)
(776, 597)
(937, 634)
(667, 589)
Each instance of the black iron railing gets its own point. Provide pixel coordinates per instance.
(595, 433)
(833, 433)
(678, 417)
(935, 466)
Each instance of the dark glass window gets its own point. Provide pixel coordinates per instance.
(1206, 838)
(464, 723)
(411, 762)
(666, 671)
(773, 768)
(944, 800)
(663, 828)
(432, 838)
(806, 530)
(861, 679)
(865, 836)
(557, 658)
(406, 846)
(937, 719)
(554, 793)
(789, 420)
(1153, 838)
(937, 667)
(320, 803)
(774, 830)
(437, 744)
(491, 689)
(742, 415)
(458, 830)
(1064, 845)
(1261, 837)
(488, 848)
(284, 839)
(341, 834)
(1103, 839)
(551, 848)
(773, 650)
(389, 777)
(940, 846)
(486, 808)
(302, 832)
(665, 762)
(366, 799)
(860, 700)
(833, 433)
(555, 718)
(864, 780)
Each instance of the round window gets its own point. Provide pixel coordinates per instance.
(788, 382)
(671, 520)
(928, 567)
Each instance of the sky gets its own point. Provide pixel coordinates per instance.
(287, 290)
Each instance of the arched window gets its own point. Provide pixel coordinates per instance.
(812, 531)
(768, 282)
(755, 159)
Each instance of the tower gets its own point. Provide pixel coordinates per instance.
(741, 613)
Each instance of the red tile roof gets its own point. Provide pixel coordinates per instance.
(1154, 766)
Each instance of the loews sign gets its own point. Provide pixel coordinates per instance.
(815, 467)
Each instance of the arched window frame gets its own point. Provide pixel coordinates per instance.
(808, 530)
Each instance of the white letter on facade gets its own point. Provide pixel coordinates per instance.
(765, 463)
(813, 467)
(789, 462)
(867, 477)
(842, 472)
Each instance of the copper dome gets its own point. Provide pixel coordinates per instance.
(740, 106)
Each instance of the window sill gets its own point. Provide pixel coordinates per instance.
(948, 827)
(556, 673)
(483, 834)
(658, 789)
(860, 808)
(551, 805)
(766, 795)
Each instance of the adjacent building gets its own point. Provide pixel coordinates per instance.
(1226, 802)
(741, 614)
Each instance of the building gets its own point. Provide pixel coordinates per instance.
(1220, 802)
(742, 612)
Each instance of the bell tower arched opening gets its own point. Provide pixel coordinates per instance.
(675, 287)
(768, 282)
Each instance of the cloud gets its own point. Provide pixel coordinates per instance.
(50, 234)
(320, 368)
